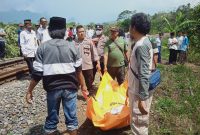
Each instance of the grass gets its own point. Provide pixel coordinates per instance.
(176, 105)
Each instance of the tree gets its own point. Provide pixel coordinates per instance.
(179, 23)
(12, 50)
(125, 24)
(71, 24)
(126, 14)
(157, 23)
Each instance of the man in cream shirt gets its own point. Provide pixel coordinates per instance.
(28, 43)
(42, 32)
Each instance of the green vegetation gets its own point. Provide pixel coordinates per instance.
(176, 106)
(185, 18)
(12, 49)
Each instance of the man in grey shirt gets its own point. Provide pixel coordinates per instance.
(141, 63)
(59, 64)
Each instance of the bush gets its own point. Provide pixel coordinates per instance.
(12, 49)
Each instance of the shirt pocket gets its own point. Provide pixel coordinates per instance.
(86, 50)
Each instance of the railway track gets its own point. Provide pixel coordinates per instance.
(12, 69)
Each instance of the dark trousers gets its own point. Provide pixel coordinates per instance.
(172, 56)
(159, 54)
(29, 62)
(88, 75)
(95, 69)
(20, 52)
(2, 49)
(117, 72)
(178, 55)
(183, 57)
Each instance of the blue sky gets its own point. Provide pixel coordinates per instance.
(86, 11)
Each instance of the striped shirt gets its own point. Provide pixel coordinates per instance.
(56, 62)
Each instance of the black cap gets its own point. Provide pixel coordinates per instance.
(99, 26)
(57, 23)
(27, 21)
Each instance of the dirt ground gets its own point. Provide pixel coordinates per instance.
(85, 125)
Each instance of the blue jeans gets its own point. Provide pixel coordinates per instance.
(159, 54)
(68, 98)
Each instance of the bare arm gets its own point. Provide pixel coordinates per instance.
(105, 61)
(127, 55)
(81, 79)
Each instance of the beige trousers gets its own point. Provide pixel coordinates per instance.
(139, 123)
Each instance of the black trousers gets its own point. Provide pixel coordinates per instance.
(88, 76)
(95, 69)
(172, 56)
(2, 49)
(117, 72)
(183, 57)
(20, 52)
(29, 62)
(178, 55)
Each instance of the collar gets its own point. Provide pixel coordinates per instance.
(29, 31)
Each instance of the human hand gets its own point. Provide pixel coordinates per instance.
(84, 91)
(105, 69)
(29, 97)
(98, 67)
(142, 106)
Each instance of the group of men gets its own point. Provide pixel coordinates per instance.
(96, 55)
(64, 66)
(178, 47)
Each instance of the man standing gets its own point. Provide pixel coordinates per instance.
(89, 55)
(2, 44)
(159, 45)
(183, 49)
(70, 34)
(74, 31)
(20, 29)
(141, 63)
(173, 46)
(180, 39)
(28, 43)
(42, 32)
(89, 32)
(99, 40)
(58, 63)
(115, 53)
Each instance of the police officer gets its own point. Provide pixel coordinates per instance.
(89, 55)
(99, 40)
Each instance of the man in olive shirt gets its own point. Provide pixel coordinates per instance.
(114, 57)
